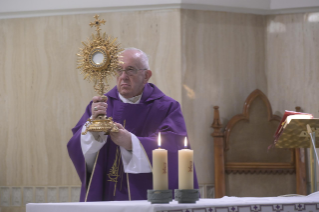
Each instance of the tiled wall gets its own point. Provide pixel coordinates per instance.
(20, 196)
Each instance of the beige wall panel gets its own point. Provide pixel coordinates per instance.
(158, 34)
(292, 64)
(260, 185)
(222, 63)
(43, 95)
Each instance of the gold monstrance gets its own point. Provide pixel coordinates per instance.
(98, 60)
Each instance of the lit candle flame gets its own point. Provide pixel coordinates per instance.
(159, 142)
(185, 142)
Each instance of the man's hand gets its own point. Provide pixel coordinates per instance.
(98, 107)
(122, 138)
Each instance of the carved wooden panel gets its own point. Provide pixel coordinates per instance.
(246, 157)
(249, 136)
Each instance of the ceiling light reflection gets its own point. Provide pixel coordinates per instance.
(276, 27)
(313, 17)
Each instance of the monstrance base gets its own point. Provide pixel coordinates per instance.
(101, 124)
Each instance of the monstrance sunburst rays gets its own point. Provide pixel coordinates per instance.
(98, 59)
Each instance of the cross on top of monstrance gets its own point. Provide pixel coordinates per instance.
(98, 59)
(97, 23)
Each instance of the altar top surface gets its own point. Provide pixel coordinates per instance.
(231, 204)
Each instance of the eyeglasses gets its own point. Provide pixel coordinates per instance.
(129, 71)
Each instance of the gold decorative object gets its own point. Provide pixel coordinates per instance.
(295, 134)
(98, 60)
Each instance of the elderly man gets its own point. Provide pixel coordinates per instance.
(118, 166)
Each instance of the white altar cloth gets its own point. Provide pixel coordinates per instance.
(225, 204)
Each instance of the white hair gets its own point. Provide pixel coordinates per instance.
(142, 55)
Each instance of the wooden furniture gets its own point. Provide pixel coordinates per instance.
(245, 163)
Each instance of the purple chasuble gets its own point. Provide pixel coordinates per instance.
(155, 113)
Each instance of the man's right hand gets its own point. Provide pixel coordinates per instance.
(98, 107)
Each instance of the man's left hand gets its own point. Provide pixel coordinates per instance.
(122, 138)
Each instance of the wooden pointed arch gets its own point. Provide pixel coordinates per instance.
(245, 115)
(221, 139)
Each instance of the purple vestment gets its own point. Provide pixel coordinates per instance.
(155, 113)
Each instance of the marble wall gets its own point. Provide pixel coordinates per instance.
(291, 61)
(43, 96)
(222, 63)
(225, 56)
(292, 64)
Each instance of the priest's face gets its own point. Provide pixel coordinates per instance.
(133, 75)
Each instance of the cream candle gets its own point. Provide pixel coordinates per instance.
(160, 169)
(185, 168)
